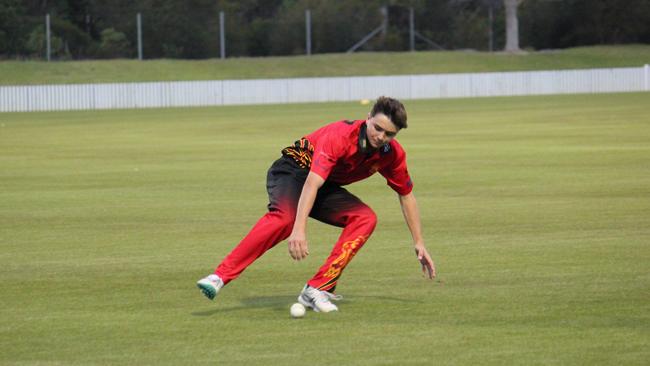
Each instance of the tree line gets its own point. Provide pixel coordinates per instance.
(190, 29)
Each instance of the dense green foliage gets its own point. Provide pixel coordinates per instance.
(535, 210)
(190, 28)
(358, 64)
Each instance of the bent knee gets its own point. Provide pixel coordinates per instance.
(366, 216)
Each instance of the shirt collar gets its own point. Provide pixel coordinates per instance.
(362, 143)
(365, 147)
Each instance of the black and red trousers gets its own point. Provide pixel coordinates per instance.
(334, 205)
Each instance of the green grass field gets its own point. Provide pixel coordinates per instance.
(536, 210)
(370, 63)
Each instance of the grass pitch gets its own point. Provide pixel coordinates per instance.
(536, 210)
(358, 64)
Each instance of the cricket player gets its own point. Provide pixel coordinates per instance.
(308, 181)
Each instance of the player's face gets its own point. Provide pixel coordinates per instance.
(380, 130)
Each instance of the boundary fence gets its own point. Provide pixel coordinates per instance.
(62, 97)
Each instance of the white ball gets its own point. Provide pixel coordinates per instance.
(297, 310)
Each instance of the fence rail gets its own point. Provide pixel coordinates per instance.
(277, 91)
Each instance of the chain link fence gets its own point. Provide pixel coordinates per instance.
(223, 34)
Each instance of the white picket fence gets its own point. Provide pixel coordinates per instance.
(276, 91)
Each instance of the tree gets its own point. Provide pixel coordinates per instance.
(512, 25)
(190, 28)
(12, 28)
(114, 44)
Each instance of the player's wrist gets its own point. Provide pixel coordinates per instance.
(297, 231)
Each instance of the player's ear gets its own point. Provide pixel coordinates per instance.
(369, 115)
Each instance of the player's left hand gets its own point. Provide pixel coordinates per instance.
(428, 267)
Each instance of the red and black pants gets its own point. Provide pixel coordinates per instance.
(334, 205)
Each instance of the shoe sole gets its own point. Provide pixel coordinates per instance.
(208, 290)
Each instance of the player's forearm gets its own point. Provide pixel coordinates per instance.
(305, 205)
(412, 217)
(306, 201)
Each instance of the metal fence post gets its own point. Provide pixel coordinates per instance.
(412, 29)
(47, 37)
(383, 28)
(491, 28)
(222, 35)
(139, 21)
(308, 31)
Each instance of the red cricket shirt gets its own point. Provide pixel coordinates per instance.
(339, 156)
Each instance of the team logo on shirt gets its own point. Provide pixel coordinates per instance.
(319, 162)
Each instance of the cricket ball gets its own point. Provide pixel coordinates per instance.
(297, 310)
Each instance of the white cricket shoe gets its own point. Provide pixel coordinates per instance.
(210, 286)
(318, 300)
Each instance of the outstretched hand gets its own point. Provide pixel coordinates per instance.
(298, 248)
(428, 267)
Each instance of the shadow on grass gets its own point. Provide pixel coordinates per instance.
(277, 303)
(282, 303)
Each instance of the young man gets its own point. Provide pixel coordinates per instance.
(307, 181)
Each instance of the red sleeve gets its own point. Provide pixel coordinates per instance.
(326, 154)
(397, 174)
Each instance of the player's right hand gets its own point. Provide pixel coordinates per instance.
(298, 248)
